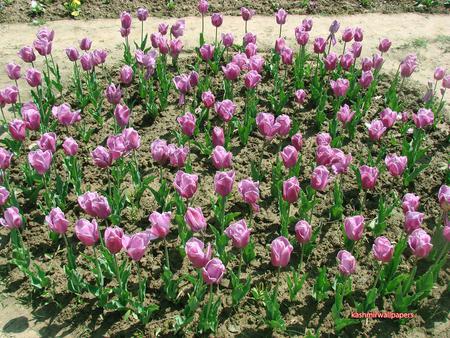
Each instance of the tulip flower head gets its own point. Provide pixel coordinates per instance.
(12, 219)
(221, 158)
(280, 251)
(396, 165)
(291, 190)
(195, 220)
(87, 232)
(196, 253)
(160, 224)
(444, 197)
(369, 176)
(420, 243)
(382, 249)
(213, 271)
(249, 191)
(319, 178)
(410, 202)
(40, 160)
(238, 233)
(135, 245)
(354, 227)
(113, 239)
(347, 263)
(303, 232)
(94, 205)
(413, 221)
(223, 182)
(185, 184)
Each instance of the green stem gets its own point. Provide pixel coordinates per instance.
(166, 251)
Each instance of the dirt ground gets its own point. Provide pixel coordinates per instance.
(19, 10)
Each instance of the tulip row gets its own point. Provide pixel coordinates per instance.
(340, 92)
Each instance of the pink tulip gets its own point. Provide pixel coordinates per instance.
(358, 36)
(252, 79)
(163, 45)
(13, 71)
(241, 60)
(324, 155)
(213, 271)
(249, 190)
(330, 61)
(87, 232)
(125, 20)
(248, 38)
(185, 184)
(376, 130)
(289, 156)
(287, 56)
(280, 251)
(195, 220)
(135, 245)
(94, 205)
(384, 45)
(33, 77)
(5, 158)
(64, 114)
(126, 75)
(408, 65)
(340, 87)
(266, 125)
(142, 14)
(382, 249)
(347, 263)
(291, 190)
(47, 142)
(177, 28)
(345, 114)
(231, 71)
(223, 182)
(17, 129)
(319, 45)
(420, 243)
(369, 176)
(356, 49)
(366, 64)
(102, 157)
(116, 146)
(177, 155)
(297, 141)
(347, 60)
(238, 233)
(396, 165)
(340, 162)
(225, 109)
(217, 20)
(203, 7)
(27, 54)
(12, 219)
(285, 124)
(9, 95)
(160, 151)
(187, 123)
(43, 46)
(300, 96)
(307, 24)
(388, 117)
(163, 28)
(57, 221)
(218, 137)
(439, 73)
(366, 79)
(319, 178)
(40, 160)
(413, 221)
(85, 44)
(247, 13)
(208, 99)
(301, 35)
(251, 49)
(423, 118)
(303, 232)
(160, 225)
(446, 82)
(354, 227)
(31, 116)
(86, 61)
(256, 63)
(280, 44)
(221, 158)
(347, 34)
(175, 47)
(113, 94)
(4, 194)
(227, 40)
(410, 202)
(323, 139)
(122, 114)
(444, 197)
(281, 16)
(196, 253)
(70, 146)
(132, 139)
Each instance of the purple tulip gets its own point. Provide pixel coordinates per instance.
(252, 79)
(207, 52)
(307, 24)
(249, 190)
(185, 184)
(223, 182)
(247, 13)
(183, 85)
(72, 54)
(241, 60)
(339, 161)
(87, 232)
(126, 75)
(177, 155)
(12, 219)
(5, 158)
(94, 205)
(420, 243)
(227, 40)
(135, 245)
(27, 54)
(249, 38)
(142, 14)
(86, 62)
(208, 99)
(113, 239)
(382, 249)
(160, 224)
(238, 233)
(17, 129)
(13, 71)
(203, 7)
(175, 47)
(70, 146)
(216, 19)
(40, 160)
(303, 232)
(439, 73)
(256, 63)
(347, 60)
(116, 146)
(218, 137)
(289, 156)
(113, 94)
(301, 35)
(413, 221)
(340, 87)
(287, 56)
(47, 142)
(388, 117)
(356, 49)
(195, 220)
(131, 138)
(177, 28)
(225, 109)
(187, 123)
(57, 221)
(33, 77)
(376, 130)
(125, 20)
(366, 64)
(65, 115)
(347, 34)
(221, 158)
(231, 71)
(291, 190)
(384, 45)
(285, 124)
(443, 197)
(300, 96)
(369, 176)
(102, 157)
(266, 125)
(4, 194)
(396, 165)
(408, 65)
(281, 16)
(423, 118)
(410, 202)
(345, 114)
(43, 46)
(319, 45)
(366, 79)
(280, 251)
(319, 178)
(280, 44)
(251, 50)
(163, 28)
(330, 61)
(85, 44)
(213, 271)
(354, 227)
(196, 253)
(347, 263)
(297, 141)
(122, 114)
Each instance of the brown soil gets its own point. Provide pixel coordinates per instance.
(19, 10)
(68, 316)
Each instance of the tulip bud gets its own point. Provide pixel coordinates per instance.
(218, 137)
(47, 142)
(347, 263)
(319, 178)
(40, 160)
(281, 16)
(249, 191)
(289, 156)
(195, 220)
(396, 165)
(217, 20)
(280, 251)
(223, 182)
(291, 190)
(303, 232)
(369, 176)
(85, 44)
(297, 141)
(382, 249)
(413, 221)
(225, 109)
(354, 227)
(410, 202)
(136, 245)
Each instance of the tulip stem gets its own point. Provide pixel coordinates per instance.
(245, 27)
(142, 33)
(275, 293)
(166, 250)
(240, 264)
(209, 301)
(301, 258)
(116, 266)
(378, 275)
(281, 27)
(216, 37)
(3, 115)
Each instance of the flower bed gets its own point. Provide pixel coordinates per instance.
(232, 191)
